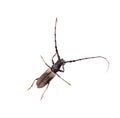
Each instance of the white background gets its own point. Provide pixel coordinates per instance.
(85, 28)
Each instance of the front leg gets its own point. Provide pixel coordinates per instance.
(63, 69)
(52, 58)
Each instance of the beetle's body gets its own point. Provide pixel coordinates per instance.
(45, 78)
(50, 73)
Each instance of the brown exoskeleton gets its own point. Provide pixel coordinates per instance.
(50, 73)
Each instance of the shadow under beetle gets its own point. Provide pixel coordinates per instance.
(50, 73)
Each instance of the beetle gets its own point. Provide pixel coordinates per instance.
(50, 73)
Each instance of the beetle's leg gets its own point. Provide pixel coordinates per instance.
(44, 91)
(56, 41)
(63, 69)
(44, 62)
(32, 84)
(63, 79)
(52, 58)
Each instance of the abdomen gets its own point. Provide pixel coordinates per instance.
(45, 78)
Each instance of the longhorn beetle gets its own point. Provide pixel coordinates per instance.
(50, 73)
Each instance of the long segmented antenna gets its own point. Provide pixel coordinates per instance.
(70, 61)
(56, 41)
